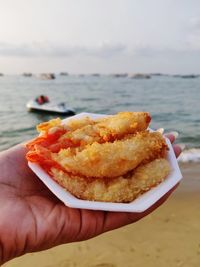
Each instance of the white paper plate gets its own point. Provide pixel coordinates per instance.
(142, 203)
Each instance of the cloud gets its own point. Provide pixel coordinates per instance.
(150, 51)
(194, 42)
(192, 38)
(187, 45)
(191, 46)
(107, 49)
(52, 50)
(194, 23)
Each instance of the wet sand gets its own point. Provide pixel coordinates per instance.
(170, 236)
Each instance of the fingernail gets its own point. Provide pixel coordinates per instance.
(175, 134)
(182, 146)
(160, 130)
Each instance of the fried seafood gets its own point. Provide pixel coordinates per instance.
(112, 159)
(120, 189)
(107, 129)
(49, 125)
(79, 123)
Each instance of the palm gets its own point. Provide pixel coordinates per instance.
(35, 219)
(30, 209)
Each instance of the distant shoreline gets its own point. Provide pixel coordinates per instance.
(136, 75)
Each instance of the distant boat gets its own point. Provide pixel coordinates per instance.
(1, 74)
(27, 74)
(95, 74)
(50, 107)
(190, 76)
(47, 76)
(186, 76)
(140, 76)
(158, 74)
(120, 75)
(64, 73)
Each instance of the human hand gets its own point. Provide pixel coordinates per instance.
(33, 219)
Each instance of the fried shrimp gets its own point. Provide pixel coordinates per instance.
(107, 129)
(120, 189)
(113, 159)
(123, 123)
(77, 124)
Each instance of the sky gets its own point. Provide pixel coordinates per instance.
(105, 36)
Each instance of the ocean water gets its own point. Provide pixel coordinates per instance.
(173, 104)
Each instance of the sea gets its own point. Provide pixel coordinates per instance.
(173, 102)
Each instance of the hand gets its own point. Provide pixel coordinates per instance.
(33, 219)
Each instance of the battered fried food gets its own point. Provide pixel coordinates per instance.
(121, 189)
(107, 129)
(113, 159)
(109, 159)
(79, 123)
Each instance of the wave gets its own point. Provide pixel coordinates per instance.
(190, 155)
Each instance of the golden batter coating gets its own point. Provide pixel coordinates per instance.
(112, 159)
(74, 124)
(86, 131)
(121, 189)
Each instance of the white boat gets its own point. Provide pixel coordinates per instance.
(47, 76)
(59, 108)
(140, 76)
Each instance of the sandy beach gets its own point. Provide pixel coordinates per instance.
(168, 237)
(98, 58)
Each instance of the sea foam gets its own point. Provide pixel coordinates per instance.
(190, 155)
